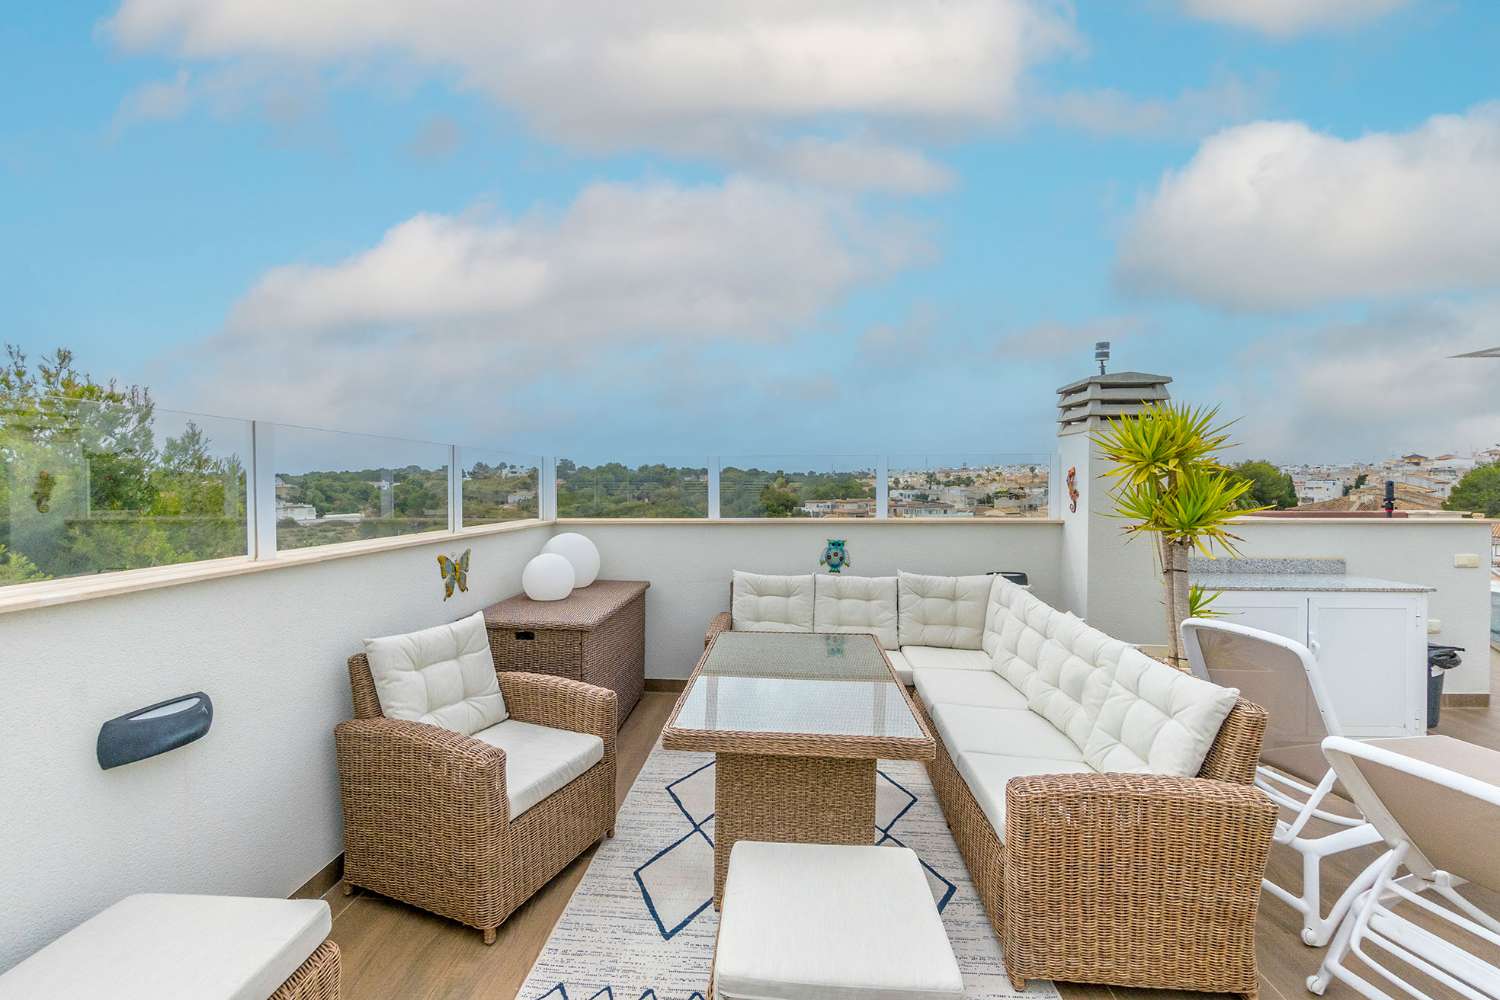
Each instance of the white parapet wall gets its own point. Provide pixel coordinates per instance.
(1412, 550)
(689, 563)
(253, 807)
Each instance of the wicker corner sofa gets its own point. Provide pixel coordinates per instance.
(1111, 839)
(427, 819)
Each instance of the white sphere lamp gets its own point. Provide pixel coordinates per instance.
(579, 551)
(548, 577)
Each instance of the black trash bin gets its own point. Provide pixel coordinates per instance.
(1440, 660)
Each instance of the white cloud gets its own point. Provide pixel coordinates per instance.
(483, 302)
(681, 74)
(1192, 113)
(1072, 343)
(1274, 215)
(439, 138)
(1284, 18)
(1383, 386)
(160, 100)
(857, 164)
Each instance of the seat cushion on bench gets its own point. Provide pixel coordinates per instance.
(772, 603)
(173, 947)
(987, 773)
(900, 665)
(1015, 732)
(944, 611)
(942, 658)
(966, 687)
(540, 760)
(822, 922)
(856, 604)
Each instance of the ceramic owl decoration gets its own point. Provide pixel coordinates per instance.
(835, 555)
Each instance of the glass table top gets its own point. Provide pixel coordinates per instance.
(772, 682)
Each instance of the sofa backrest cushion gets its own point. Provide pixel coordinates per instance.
(443, 676)
(772, 603)
(856, 604)
(942, 610)
(1124, 710)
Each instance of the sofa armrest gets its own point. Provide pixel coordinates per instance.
(721, 623)
(1160, 874)
(561, 703)
(400, 777)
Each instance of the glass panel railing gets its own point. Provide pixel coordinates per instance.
(334, 487)
(672, 487)
(498, 486)
(797, 486)
(974, 484)
(89, 487)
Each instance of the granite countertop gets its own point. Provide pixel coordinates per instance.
(1322, 582)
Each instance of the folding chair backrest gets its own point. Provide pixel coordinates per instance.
(1276, 673)
(1437, 794)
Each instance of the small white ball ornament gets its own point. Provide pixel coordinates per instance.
(579, 551)
(548, 577)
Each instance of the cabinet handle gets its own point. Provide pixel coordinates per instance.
(523, 636)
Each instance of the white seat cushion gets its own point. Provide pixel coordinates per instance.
(966, 687)
(170, 947)
(987, 773)
(1156, 719)
(1014, 732)
(941, 658)
(899, 664)
(443, 676)
(772, 603)
(822, 922)
(539, 760)
(944, 611)
(856, 604)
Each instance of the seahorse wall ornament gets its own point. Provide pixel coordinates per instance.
(835, 555)
(1073, 490)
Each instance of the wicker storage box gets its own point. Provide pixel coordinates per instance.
(596, 635)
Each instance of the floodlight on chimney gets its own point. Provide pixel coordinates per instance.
(1101, 354)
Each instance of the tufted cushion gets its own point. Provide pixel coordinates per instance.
(942, 610)
(443, 676)
(856, 604)
(1124, 710)
(772, 603)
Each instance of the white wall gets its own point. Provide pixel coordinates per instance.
(690, 565)
(1412, 550)
(253, 807)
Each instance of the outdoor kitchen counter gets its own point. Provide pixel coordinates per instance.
(1306, 583)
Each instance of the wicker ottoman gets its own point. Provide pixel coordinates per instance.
(596, 635)
(813, 921)
(169, 947)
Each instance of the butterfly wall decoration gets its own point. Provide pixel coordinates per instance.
(455, 573)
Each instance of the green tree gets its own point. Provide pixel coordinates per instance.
(778, 500)
(1269, 486)
(1478, 490)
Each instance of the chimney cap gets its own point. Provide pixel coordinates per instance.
(1115, 380)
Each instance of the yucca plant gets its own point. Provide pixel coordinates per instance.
(1168, 485)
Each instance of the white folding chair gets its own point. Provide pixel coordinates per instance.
(1436, 802)
(1282, 676)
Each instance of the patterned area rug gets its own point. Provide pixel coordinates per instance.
(641, 927)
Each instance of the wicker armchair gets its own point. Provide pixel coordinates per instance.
(1124, 879)
(426, 818)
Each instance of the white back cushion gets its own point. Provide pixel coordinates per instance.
(443, 676)
(942, 610)
(1124, 710)
(772, 603)
(856, 604)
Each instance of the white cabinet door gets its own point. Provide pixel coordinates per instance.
(1373, 655)
(1277, 612)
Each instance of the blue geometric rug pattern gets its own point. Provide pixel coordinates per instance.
(641, 924)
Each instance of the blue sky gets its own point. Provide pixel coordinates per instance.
(677, 229)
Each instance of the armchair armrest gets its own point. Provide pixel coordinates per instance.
(561, 703)
(412, 776)
(1161, 874)
(721, 623)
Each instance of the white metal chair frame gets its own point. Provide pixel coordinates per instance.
(1372, 921)
(1304, 801)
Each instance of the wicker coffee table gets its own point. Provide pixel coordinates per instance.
(797, 722)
